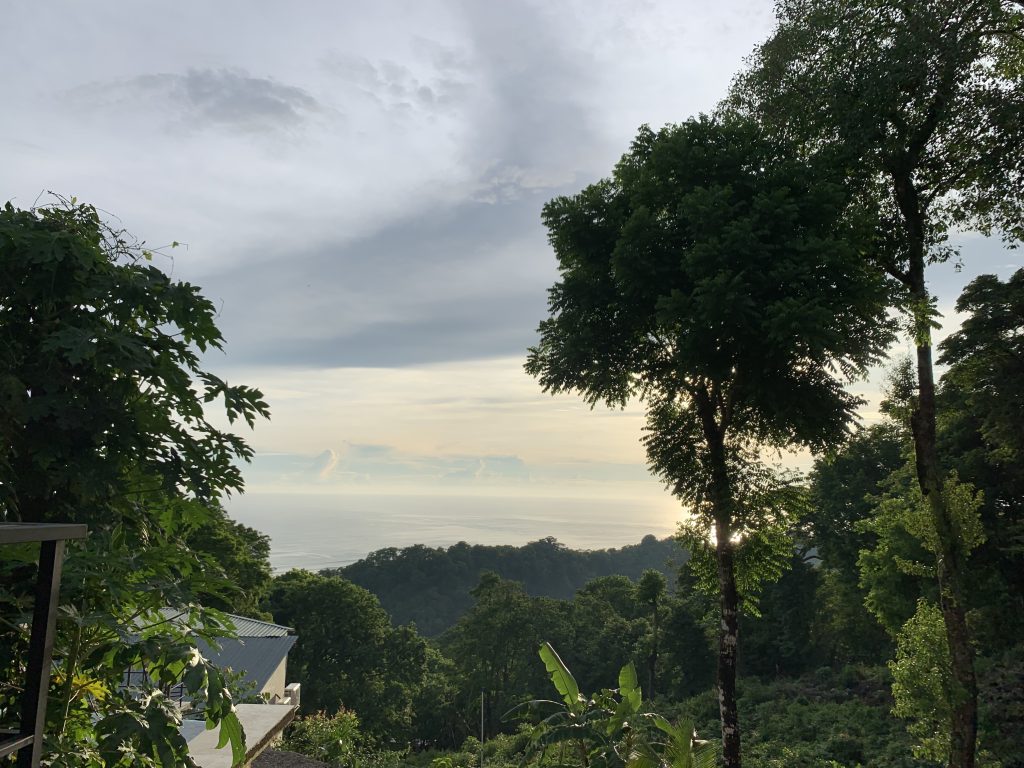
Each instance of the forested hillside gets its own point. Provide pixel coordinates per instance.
(430, 586)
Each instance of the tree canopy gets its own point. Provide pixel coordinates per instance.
(431, 586)
(712, 255)
(718, 277)
(920, 103)
(100, 377)
(348, 653)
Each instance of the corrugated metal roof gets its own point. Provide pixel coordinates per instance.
(244, 627)
(255, 628)
(256, 657)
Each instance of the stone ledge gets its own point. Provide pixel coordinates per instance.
(263, 723)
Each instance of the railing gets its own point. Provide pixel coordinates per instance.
(27, 741)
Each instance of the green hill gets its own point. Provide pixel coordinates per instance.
(430, 586)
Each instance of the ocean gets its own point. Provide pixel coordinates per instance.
(323, 530)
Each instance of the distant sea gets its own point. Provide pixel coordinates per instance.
(326, 530)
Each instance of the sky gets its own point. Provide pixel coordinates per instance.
(358, 188)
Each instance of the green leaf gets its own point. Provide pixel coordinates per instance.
(562, 678)
(231, 731)
(629, 687)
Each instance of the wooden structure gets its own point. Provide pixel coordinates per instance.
(27, 741)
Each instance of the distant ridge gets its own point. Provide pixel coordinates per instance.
(429, 586)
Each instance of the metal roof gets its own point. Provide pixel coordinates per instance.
(254, 628)
(244, 627)
(256, 657)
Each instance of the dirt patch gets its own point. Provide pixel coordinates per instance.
(278, 758)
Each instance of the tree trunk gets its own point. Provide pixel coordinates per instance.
(728, 601)
(950, 559)
(728, 637)
(950, 556)
(653, 660)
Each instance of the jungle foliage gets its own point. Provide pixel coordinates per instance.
(104, 420)
(430, 586)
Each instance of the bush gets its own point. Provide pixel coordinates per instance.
(336, 739)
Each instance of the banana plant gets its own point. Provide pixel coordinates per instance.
(608, 729)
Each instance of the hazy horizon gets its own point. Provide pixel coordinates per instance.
(324, 530)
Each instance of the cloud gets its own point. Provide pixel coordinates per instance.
(355, 466)
(440, 84)
(330, 461)
(533, 116)
(228, 99)
(454, 283)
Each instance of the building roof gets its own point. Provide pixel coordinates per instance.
(246, 627)
(256, 657)
(256, 653)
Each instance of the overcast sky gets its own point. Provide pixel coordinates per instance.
(358, 186)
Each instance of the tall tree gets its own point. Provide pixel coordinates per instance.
(922, 101)
(650, 592)
(348, 654)
(493, 645)
(980, 435)
(715, 277)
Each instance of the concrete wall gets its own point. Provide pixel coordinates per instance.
(275, 685)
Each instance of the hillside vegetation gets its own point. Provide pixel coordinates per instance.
(430, 586)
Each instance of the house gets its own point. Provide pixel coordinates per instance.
(260, 655)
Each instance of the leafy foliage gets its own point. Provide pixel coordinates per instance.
(334, 739)
(103, 421)
(242, 554)
(99, 372)
(922, 682)
(348, 654)
(609, 728)
(906, 541)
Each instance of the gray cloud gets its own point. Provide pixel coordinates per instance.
(443, 84)
(448, 284)
(454, 281)
(535, 118)
(226, 98)
(481, 328)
